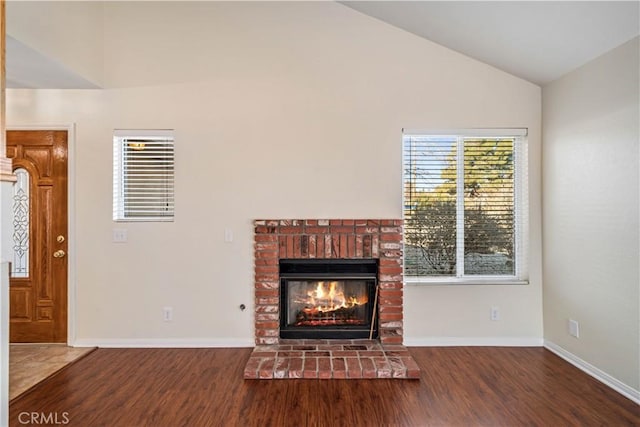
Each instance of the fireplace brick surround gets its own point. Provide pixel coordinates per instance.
(329, 239)
(275, 358)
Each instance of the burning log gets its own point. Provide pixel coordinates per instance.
(316, 316)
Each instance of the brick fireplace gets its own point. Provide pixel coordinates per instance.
(279, 242)
(379, 240)
(277, 239)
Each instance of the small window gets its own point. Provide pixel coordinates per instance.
(465, 206)
(143, 175)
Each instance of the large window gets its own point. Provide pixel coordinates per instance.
(143, 176)
(465, 206)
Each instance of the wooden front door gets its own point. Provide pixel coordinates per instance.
(38, 283)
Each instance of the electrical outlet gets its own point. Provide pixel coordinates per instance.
(119, 235)
(167, 314)
(495, 313)
(574, 328)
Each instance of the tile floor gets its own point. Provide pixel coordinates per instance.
(31, 363)
(327, 359)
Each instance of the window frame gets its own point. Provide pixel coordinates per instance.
(121, 137)
(521, 206)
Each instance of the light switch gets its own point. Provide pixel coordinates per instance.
(228, 235)
(119, 235)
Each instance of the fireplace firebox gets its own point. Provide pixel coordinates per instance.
(328, 298)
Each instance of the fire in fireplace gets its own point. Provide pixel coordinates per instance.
(328, 298)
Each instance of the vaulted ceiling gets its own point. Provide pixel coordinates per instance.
(538, 41)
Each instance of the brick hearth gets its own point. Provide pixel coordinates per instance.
(379, 239)
(327, 359)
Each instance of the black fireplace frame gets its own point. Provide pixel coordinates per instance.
(329, 269)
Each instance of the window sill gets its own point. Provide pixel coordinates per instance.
(146, 219)
(412, 281)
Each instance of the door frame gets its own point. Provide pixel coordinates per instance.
(71, 220)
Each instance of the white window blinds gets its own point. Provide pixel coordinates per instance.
(463, 204)
(143, 175)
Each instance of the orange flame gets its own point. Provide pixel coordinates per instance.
(329, 296)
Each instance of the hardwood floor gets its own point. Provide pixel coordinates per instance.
(459, 386)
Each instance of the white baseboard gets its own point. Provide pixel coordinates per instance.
(596, 373)
(473, 341)
(164, 343)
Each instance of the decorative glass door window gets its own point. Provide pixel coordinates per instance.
(21, 224)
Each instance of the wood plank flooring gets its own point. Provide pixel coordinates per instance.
(459, 386)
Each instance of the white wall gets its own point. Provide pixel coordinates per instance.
(68, 32)
(591, 234)
(285, 110)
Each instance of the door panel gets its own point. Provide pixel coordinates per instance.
(38, 284)
(20, 305)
